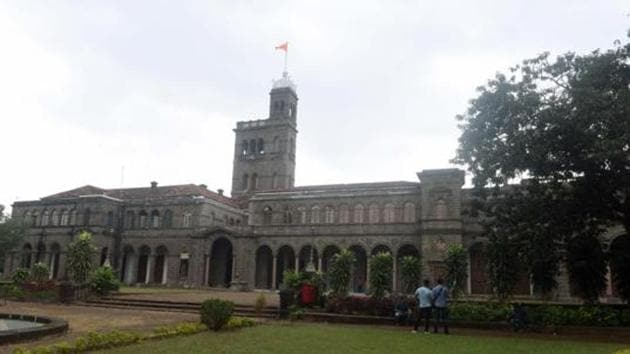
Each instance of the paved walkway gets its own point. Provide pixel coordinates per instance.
(196, 295)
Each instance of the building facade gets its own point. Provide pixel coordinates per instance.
(188, 235)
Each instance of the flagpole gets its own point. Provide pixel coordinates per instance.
(286, 54)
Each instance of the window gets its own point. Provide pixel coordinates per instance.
(389, 213)
(252, 146)
(168, 219)
(373, 213)
(86, 217)
(183, 266)
(315, 214)
(409, 213)
(344, 214)
(26, 218)
(302, 215)
(261, 146)
(110, 219)
(155, 219)
(64, 217)
(244, 147)
(358, 214)
(288, 216)
(73, 217)
(130, 220)
(245, 182)
(254, 181)
(267, 215)
(142, 222)
(186, 220)
(329, 217)
(34, 217)
(45, 218)
(54, 218)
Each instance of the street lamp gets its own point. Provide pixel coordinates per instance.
(310, 267)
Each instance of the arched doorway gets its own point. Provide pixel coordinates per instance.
(142, 275)
(221, 263)
(405, 251)
(286, 261)
(619, 263)
(359, 270)
(264, 268)
(53, 265)
(40, 255)
(161, 266)
(27, 254)
(479, 281)
(127, 267)
(308, 254)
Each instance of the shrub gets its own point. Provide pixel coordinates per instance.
(410, 273)
(292, 280)
(261, 302)
(380, 274)
(457, 269)
(103, 281)
(216, 313)
(296, 313)
(360, 305)
(20, 276)
(341, 271)
(240, 322)
(39, 273)
(79, 257)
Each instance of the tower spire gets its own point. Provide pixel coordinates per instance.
(284, 47)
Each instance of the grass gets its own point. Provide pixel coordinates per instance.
(328, 338)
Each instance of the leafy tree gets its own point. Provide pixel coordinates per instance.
(586, 264)
(503, 265)
(11, 233)
(381, 265)
(39, 273)
(457, 269)
(564, 125)
(620, 265)
(410, 273)
(79, 257)
(340, 272)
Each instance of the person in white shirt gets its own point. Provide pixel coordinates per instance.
(424, 298)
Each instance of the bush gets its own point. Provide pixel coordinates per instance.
(292, 280)
(341, 271)
(361, 305)
(39, 273)
(21, 276)
(79, 257)
(410, 273)
(261, 302)
(103, 281)
(240, 322)
(216, 313)
(457, 269)
(380, 274)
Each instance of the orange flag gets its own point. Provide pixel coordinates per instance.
(284, 46)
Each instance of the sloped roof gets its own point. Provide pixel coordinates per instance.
(158, 192)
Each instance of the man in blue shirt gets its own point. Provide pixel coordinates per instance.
(440, 301)
(423, 301)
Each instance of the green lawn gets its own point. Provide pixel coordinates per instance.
(324, 338)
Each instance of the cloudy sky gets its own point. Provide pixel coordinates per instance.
(156, 87)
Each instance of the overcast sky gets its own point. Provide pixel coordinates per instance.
(87, 87)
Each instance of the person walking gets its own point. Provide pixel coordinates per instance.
(423, 301)
(440, 302)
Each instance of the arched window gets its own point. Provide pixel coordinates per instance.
(358, 214)
(244, 147)
(409, 213)
(315, 214)
(155, 219)
(252, 146)
(86, 217)
(27, 254)
(267, 215)
(54, 217)
(389, 214)
(167, 223)
(373, 213)
(130, 220)
(261, 146)
(45, 218)
(441, 211)
(329, 217)
(245, 182)
(254, 181)
(73, 217)
(302, 214)
(186, 220)
(65, 215)
(142, 219)
(344, 214)
(34, 218)
(288, 216)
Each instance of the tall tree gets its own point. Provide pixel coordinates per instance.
(456, 268)
(80, 257)
(11, 233)
(564, 125)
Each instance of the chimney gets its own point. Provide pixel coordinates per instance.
(153, 184)
(203, 186)
(220, 191)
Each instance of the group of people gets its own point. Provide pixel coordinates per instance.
(429, 303)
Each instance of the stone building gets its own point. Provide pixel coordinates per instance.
(187, 235)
